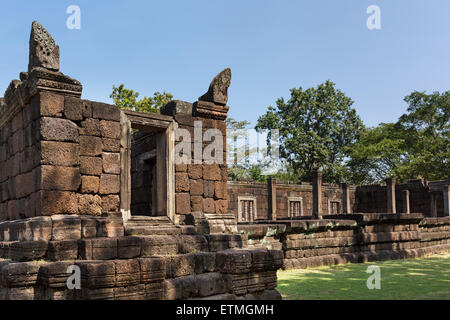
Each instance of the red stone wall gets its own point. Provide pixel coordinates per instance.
(60, 155)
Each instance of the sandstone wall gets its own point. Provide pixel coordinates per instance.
(351, 238)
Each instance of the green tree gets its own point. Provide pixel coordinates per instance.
(416, 146)
(128, 99)
(317, 128)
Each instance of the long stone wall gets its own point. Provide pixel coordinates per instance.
(351, 238)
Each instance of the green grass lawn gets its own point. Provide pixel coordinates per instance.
(427, 278)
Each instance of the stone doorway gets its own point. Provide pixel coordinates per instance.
(147, 167)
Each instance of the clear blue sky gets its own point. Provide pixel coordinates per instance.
(271, 46)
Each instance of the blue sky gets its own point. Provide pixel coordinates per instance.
(271, 47)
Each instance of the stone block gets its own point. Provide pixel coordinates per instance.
(111, 145)
(90, 184)
(221, 206)
(196, 187)
(128, 247)
(50, 104)
(154, 290)
(127, 272)
(73, 108)
(192, 243)
(110, 129)
(105, 111)
(27, 250)
(57, 202)
(111, 203)
(109, 184)
(181, 182)
(60, 178)
(212, 172)
(152, 269)
(210, 284)
(159, 245)
(60, 153)
(220, 190)
(209, 205)
(110, 227)
(182, 203)
(22, 274)
(55, 129)
(66, 227)
(180, 265)
(208, 189)
(111, 162)
(54, 275)
(195, 171)
(98, 249)
(91, 166)
(136, 292)
(90, 146)
(90, 127)
(62, 250)
(196, 203)
(234, 261)
(89, 204)
(88, 227)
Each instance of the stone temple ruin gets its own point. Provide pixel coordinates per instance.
(85, 184)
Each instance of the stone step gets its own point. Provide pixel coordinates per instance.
(168, 230)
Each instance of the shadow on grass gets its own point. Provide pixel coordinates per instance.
(427, 278)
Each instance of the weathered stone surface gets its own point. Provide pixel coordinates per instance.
(27, 250)
(110, 203)
(60, 178)
(196, 203)
(182, 203)
(57, 202)
(127, 272)
(90, 146)
(111, 162)
(66, 227)
(221, 206)
(128, 247)
(97, 274)
(73, 108)
(208, 189)
(110, 129)
(152, 269)
(109, 184)
(159, 245)
(90, 184)
(208, 205)
(63, 250)
(181, 182)
(43, 50)
(105, 111)
(212, 172)
(91, 166)
(111, 145)
(89, 204)
(60, 153)
(90, 127)
(220, 190)
(49, 104)
(195, 171)
(218, 89)
(98, 249)
(56, 129)
(196, 187)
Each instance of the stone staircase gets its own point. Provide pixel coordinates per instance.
(149, 226)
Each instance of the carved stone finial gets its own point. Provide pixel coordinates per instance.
(44, 52)
(218, 89)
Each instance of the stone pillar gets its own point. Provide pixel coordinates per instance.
(446, 196)
(317, 194)
(405, 200)
(272, 198)
(433, 208)
(346, 198)
(390, 194)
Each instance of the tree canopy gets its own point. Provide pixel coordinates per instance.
(317, 128)
(416, 146)
(128, 99)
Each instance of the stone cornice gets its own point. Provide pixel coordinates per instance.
(19, 93)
